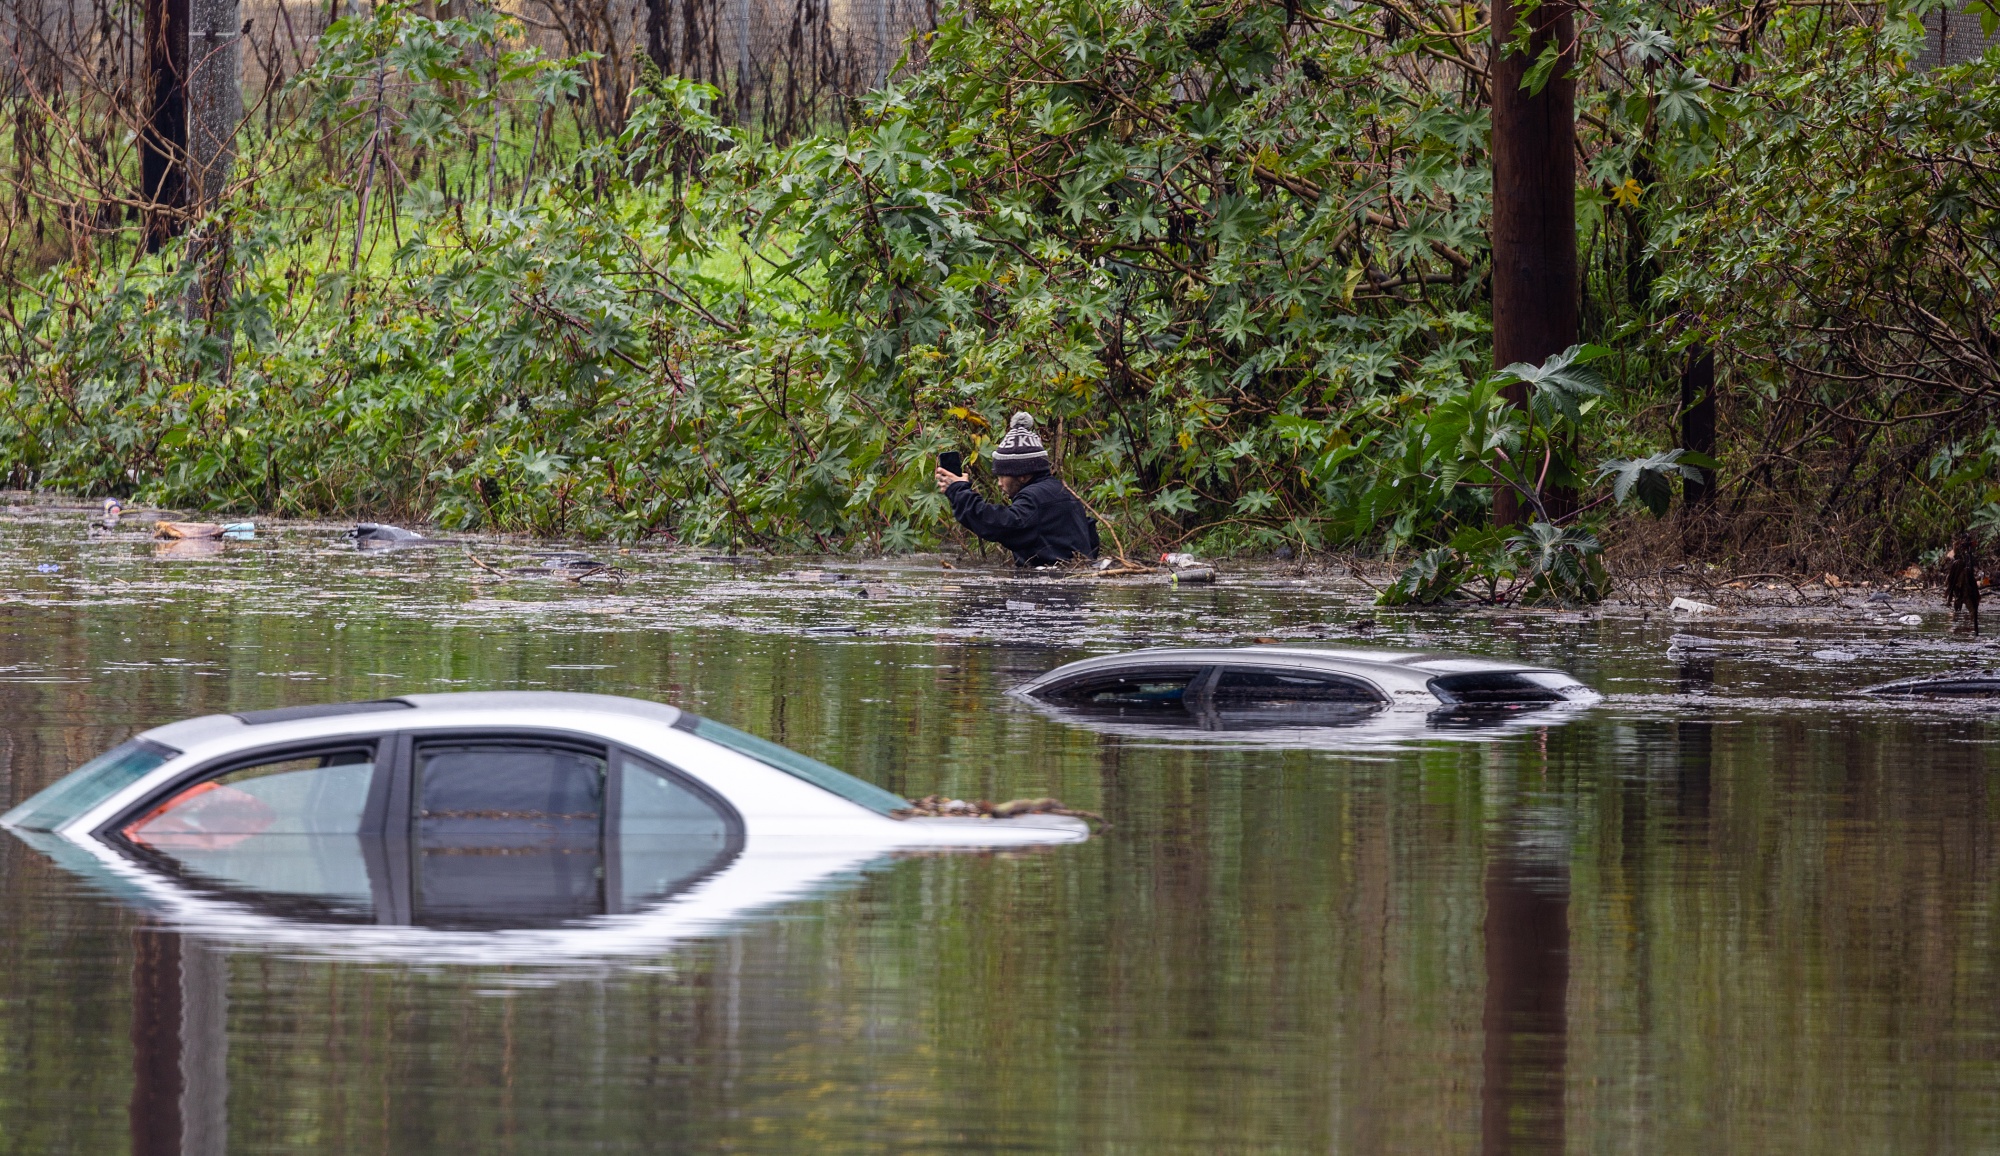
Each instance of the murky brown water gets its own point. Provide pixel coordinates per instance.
(1725, 911)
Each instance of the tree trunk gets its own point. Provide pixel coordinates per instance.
(163, 138)
(1535, 288)
(660, 35)
(1698, 423)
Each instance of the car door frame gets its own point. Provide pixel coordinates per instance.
(398, 844)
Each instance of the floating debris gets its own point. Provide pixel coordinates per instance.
(368, 535)
(181, 530)
(1013, 604)
(48, 568)
(240, 531)
(572, 568)
(1194, 576)
(1911, 620)
(1689, 606)
(939, 807)
(113, 510)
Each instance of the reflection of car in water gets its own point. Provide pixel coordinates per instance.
(1277, 690)
(461, 825)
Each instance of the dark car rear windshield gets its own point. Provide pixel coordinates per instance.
(88, 785)
(795, 764)
(1495, 688)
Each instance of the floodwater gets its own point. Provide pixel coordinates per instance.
(1728, 910)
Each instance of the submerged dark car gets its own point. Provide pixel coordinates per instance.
(1384, 692)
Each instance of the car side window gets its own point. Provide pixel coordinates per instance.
(317, 793)
(286, 828)
(1166, 687)
(670, 834)
(1250, 687)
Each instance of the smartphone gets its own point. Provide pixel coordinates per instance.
(953, 462)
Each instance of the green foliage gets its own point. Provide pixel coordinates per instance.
(1233, 257)
(1651, 479)
(1542, 564)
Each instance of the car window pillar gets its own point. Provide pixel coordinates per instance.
(386, 847)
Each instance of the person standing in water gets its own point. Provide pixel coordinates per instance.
(1042, 523)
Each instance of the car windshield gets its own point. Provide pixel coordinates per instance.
(88, 785)
(797, 765)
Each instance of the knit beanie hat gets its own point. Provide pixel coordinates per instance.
(1020, 450)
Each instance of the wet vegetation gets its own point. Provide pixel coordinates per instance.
(472, 269)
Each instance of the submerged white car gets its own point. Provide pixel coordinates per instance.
(482, 826)
(1251, 688)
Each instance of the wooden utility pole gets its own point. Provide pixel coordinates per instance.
(214, 103)
(194, 104)
(1535, 288)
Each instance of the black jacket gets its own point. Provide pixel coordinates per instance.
(1045, 524)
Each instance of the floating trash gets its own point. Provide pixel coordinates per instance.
(181, 530)
(240, 531)
(1194, 576)
(373, 535)
(113, 510)
(1835, 655)
(1690, 606)
(1911, 620)
(1012, 604)
(47, 568)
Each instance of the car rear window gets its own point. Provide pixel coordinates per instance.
(1497, 688)
(89, 785)
(791, 762)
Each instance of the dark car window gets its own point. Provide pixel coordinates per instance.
(670, 834)
(507, 834)
(1127, 688)
(1237, 687)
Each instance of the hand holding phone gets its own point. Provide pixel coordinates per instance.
(950, 469)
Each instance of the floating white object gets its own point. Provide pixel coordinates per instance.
(1835, 655)
(1013, 605)
(1911, 620)
(1689, 606)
